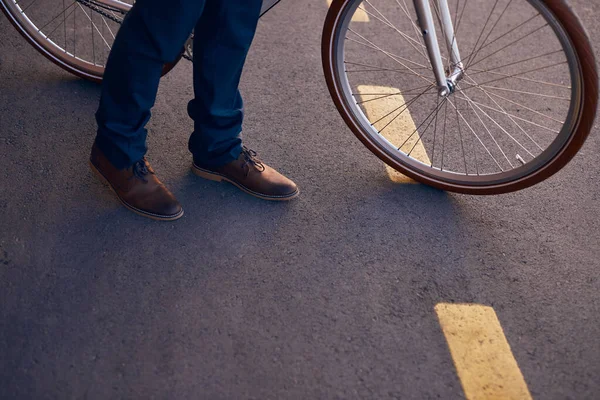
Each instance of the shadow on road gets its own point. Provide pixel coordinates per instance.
(107, 300)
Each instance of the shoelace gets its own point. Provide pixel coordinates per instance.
(251, 158)
(140, 170)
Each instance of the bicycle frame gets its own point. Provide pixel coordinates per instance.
(445, 84)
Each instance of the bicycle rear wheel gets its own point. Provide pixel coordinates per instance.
(524, 108)
(77, 35)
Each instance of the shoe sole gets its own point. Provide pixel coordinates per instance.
(129, 207)
(214, 176)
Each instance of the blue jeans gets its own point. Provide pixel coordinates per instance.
(153, 33)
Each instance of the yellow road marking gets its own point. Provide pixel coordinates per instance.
(485, 364)
(359, 15)
(399, 130)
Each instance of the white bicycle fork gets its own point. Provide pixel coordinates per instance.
(445, 84)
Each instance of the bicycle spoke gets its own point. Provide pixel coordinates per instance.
(505, 34)
(492, 137)
(74, 30)
(385, 97)
(518, 62)
(483, 29)
(389, 24)
(508, 45)
(502, 128)
(418, 127)
(108, 27)
(513, 119)
(527, 93)
(421, 136)
(58, 26)
(517, 74)
(490, 32)
(94, 28)
(501, 111)
(434, 136)
(391, 55)
(405, 91)
(474, 134)
(523, 106)
(444, 137)
(56, 17)
(27, 8)
(374, 68)
(65, 27)
(396, 109)
(396, 116)
(520, 78)
(457, 23)
(462, 146)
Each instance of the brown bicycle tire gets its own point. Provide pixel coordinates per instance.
(589, 98)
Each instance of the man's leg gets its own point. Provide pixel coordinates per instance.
(222, 39)
(223, 36)
(153, 33)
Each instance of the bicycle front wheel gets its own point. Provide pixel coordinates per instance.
(523, 109)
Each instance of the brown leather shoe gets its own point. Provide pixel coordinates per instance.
(252, 176)
(137, 187)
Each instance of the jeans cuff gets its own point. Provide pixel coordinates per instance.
(203, 161)
(118, 158)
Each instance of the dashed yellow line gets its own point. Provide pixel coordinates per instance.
(359, 15)
(400, 127)
(485, 364)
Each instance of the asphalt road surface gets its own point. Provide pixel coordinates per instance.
(349, 292)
